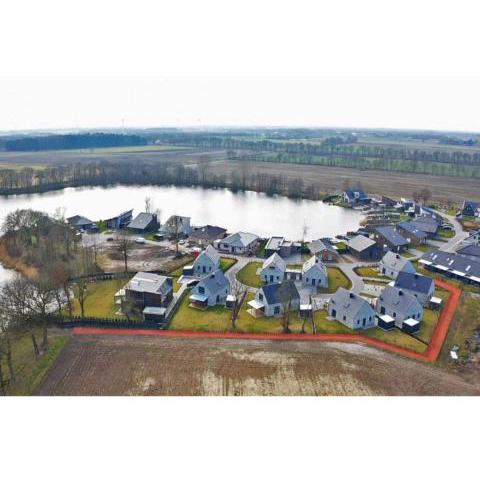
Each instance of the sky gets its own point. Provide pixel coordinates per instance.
(437, 103)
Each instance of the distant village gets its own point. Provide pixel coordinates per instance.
(389, 265)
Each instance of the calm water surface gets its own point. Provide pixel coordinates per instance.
(247, 211)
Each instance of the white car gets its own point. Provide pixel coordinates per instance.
(140, 240)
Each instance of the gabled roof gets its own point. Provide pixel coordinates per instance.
(214, 282)
(208, 232)
(280, 292)
(314, 263)
(349, 301)
(471, 204)
(413, 229)
(426, 224)
(356, 194)
(79, 221)
(414, 282)
(240, 239)
(275, 260)
(398, 300)
(360, 243)
(452, 261)
(317, 246)
(470, 250)
(395, 261)
(142, 221)
(149, 282)
(274, 243)
(127, 213)
(392, 236)
(211, 253)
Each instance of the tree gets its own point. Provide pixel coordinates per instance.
(124, 246)
(425, 195)
(42, 297)
(239, 292)
(286, 296)
(81, 293)
(148, 205)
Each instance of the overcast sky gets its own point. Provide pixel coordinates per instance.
(442, 103)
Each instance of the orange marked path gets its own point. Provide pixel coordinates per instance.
(430, 355)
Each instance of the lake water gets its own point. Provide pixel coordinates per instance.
(248, 211)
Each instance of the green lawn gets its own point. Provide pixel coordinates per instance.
(29, 371)
(100, 301)
(336, 279)
(443, 233)
(396, 337)
(369, 272)
(407, 255)
(226, 263)
(248, 275)
(217, 319)
(425, 248)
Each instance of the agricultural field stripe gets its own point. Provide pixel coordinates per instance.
(430, 355)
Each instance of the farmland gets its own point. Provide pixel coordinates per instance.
(131, 365)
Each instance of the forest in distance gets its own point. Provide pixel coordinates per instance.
(441, 154)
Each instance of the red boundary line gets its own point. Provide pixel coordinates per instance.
(430, 355)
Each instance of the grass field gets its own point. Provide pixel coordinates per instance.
(30, 371)
(466, 320)
(407, 255)
(100, 301)
(248, 275)
(217, 319)
(336, 279)
(369, 272)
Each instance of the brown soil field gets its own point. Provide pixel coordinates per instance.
(136, 365)
(330, 179)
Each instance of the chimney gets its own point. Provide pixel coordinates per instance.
(397, 256)
(352, 295)
(400, 293)
(416, 275)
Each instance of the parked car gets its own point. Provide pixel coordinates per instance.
(140, 240)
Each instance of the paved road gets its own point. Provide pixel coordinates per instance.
(460, 234)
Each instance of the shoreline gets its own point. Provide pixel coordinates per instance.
(16, 264)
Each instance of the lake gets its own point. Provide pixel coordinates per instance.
(248, 211)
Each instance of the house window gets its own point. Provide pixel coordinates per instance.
(201, 290)
(344, 318)
(260, 296)
(394, 314)
(276, 310)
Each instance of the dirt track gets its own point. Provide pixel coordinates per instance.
(138, 365)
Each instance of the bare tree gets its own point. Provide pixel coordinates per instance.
(239, 292)
(81, 293)
(304, 231)
(286, 297)
(204, 167)
(124, 246)
(148, 205)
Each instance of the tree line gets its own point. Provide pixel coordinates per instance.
(73, 141)
(49, 250)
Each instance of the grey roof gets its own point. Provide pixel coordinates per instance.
(213, 282)
(150, 282)
(211, 253)
(391, 235)
(208, 232)
(280, 292)
(317, 246)
(240, 239)
(360, 243)
(398, 300)
(348, 300)
(453, 261)
(79, 221)
(274, 243)
(142, 221)
(426, 224)
(395, 261)
(275, 260)
(414, 282)
(470, 250)
(155, 310)
(413, 229)
(314, 263)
